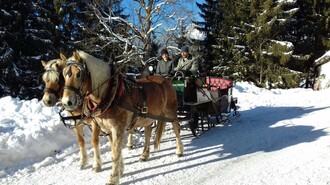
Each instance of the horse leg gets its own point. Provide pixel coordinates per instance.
(97, 164)
(117, 142)
(179, 145)
(146, 150)
(130, 139)
(159, 133)
(81, 142)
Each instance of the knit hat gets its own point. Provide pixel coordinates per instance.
(164, 51)
(184, 49)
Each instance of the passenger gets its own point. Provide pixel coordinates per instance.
(165, 65)
(187, 63)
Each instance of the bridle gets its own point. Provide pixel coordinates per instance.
(48, 70)
(83, 72)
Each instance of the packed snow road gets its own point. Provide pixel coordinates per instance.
(282, 137)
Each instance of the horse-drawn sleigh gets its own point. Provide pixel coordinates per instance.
(103, 98)
(204, 99)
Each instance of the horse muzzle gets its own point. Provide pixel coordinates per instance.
(71, 103)
(49, 100)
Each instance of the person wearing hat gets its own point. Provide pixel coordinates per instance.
(165, 65)
(187, 63)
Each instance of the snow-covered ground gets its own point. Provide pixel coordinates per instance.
(282, 137)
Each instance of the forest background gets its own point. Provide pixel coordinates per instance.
(270, 43)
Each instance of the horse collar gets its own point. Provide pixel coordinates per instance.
(95, 109)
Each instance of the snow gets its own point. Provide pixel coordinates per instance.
(287, 1)
(282, 137)
(323, 57)
(193, 33)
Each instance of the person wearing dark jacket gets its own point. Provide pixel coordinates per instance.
(165, 65)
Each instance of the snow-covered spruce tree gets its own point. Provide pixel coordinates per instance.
(33, 30)
(26, 37)
(248, 37)
(309, 32)
(211, 24)
(270, 53)
(233, 54)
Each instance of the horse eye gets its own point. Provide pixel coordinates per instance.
(78, 74)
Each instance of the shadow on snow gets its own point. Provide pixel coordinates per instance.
(254, 131)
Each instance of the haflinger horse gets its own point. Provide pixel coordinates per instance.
(118, 104)
(54, 83)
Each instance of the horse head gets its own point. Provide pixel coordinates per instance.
(76, 83)
(53, 80)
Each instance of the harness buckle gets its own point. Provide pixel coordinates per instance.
(144, 110)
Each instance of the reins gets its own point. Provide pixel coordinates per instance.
(60, 80)
(69, 118)
(82, 67)
(88, 112)
(108, 79)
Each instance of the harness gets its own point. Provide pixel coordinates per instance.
(65, 119)
(48, 70)
(118, 89)
(139, 107)
(93, 109)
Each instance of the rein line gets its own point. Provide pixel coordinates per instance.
(146, 115)
(110, 77)
(65, 118)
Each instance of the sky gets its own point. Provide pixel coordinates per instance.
(281, 137)
(188, 4)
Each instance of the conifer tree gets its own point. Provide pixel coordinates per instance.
(268, 51)
(234, 56)
(28, 37)
(213, 18)
(248, 40)
(309, 31)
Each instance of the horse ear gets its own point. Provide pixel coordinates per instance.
(63, 57)
(44, 63)
(61, 62)
(76, 56)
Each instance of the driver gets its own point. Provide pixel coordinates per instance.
(187, 63)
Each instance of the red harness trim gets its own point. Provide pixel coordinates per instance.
(121, 86)
(90, 103)
(89, 100)
(119, 94)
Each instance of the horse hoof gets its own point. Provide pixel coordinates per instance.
(143, 158)
(96, 169)
(110, 183)
(179, 155)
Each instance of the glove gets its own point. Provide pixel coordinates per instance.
(172, 73)
(187, 73)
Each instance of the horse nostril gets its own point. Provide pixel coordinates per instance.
(46, 103)
(49, 102)
(70, 103)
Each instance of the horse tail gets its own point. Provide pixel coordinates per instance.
(159, 133)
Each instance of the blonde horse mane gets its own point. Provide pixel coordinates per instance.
(99, 71)
(52, 74)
